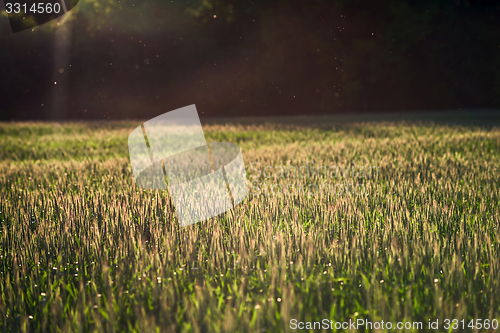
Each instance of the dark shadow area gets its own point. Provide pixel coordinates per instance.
(481, 118)
(110, 59)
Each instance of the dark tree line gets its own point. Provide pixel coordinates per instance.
(135, 60)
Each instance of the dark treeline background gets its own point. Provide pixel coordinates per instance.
(137, 59)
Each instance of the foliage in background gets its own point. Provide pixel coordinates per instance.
(136, 59)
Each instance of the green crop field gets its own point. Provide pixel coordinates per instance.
(345, 220)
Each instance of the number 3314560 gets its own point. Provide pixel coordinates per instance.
(36, 8)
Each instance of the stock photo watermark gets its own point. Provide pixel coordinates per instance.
(170, 152)
(365, 324)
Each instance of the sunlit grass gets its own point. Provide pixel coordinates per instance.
(83, 249)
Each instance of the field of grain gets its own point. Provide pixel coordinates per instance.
(83, 249)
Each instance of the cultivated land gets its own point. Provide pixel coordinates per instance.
(83, 249)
